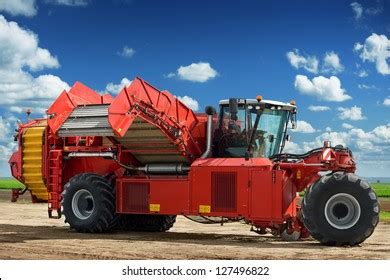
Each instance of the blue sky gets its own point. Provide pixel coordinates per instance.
(332, 56)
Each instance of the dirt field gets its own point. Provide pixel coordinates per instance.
(27, 233)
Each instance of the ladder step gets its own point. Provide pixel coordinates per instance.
(32, 165)
(32, 158)
(33, 175)
(32, 143)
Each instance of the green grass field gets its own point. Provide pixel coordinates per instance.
(384, 216)
(8, 184)
(381, 189)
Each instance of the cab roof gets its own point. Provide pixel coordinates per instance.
(285, 106)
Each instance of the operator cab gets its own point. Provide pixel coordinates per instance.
(252, 127)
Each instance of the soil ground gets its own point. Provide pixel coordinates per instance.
(27, 233)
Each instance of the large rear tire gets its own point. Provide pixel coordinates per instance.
(149, 223)
(340, 209)
(89, 203)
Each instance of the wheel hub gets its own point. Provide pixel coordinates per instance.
(83, 204)
(342, 211)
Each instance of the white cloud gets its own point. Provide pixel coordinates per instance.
(357, 9)
(354, 113)
(190, 102)
(5, 128)
(332, 63)
(336, 138)
(383, 132)
(170, 75)
(17, 109)
(7, 145)
(367, 87)
(367, 146)
(372, 11)
(347, 126)
(19, 7)
(292, 148)
(328, 89)
(357, 47)
(19, 48)
(19, 54)
(23, 88)
(362, 73)
(304, 127)
(72, 3)
(309, 63)
(127, 52)
(116, 88)
(196, 72)
(376, 49)
(386, 102)
(355, 137)
(6, 150)
(318, 108)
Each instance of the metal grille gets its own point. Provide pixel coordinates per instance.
(135, 197)
(89, 120)
(223, 192)
(148, 144)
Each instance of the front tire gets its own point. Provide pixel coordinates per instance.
(89, 203)
(340, 209)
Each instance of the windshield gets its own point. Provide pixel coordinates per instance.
(269, 132)
(236, 133)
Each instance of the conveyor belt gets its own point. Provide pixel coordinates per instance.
(88, 120)
(32, 161)
(148, 144)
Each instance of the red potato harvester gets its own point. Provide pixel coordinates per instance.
(138, 160)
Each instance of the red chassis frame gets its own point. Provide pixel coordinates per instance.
(261, 191)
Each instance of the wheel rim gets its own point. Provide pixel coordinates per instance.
(83, 204)
(342, 211)
(294, 236)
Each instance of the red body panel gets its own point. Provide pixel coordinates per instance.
(63, 106)
(169, 192)
(207, 174)
(121, 113)
(256, 191)
(15, 165)
(96, 165)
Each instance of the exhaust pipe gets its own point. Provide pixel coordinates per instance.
(165, 169)
(210, 111)
(153, 168)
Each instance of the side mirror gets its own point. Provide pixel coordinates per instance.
(293, 125)
(293, 119)
(233, 108)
